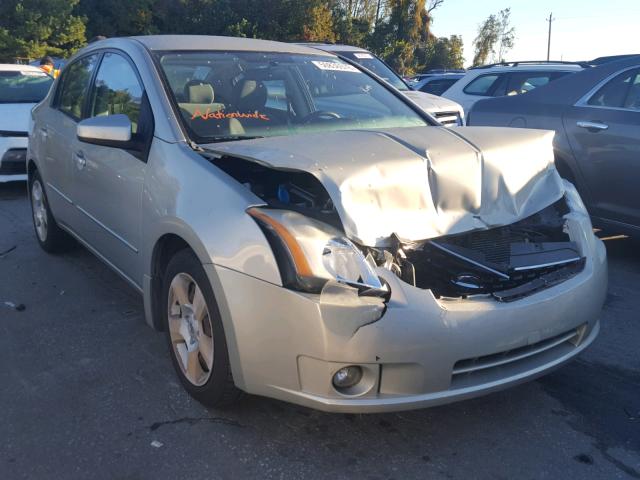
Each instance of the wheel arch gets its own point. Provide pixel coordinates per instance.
(31, 168)
(164, 248)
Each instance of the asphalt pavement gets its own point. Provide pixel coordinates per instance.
(87, 390)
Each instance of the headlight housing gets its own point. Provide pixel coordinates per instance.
(311, 253)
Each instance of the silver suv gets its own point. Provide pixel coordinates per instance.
(506, 79)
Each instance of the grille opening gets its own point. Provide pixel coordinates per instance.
(448, 118)
(516, 259)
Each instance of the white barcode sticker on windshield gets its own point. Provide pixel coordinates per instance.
(362, 55)
(32, 73)
(335, 66)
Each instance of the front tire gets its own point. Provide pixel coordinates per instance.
(195, 334)
(50, 236)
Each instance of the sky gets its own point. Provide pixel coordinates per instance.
(582, 29)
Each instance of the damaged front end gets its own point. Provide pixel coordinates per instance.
(507, 262)
(314, 255)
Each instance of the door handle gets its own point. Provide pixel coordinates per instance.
(80, 160)
(43, 132)
(592, 125)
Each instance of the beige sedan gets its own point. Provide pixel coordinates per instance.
(301, 231)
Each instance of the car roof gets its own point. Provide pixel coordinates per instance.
(11, 67)
(210, 42)
(331, 47)
(432, 76)
(527, 67)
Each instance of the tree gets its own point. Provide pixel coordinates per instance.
(506, 33)
(445, 53)
(115, 18)
(484, 43)
(319, 25)
(34, 28)
(431, 6)
(404, 33)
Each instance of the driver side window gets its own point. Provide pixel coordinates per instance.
(117, 90)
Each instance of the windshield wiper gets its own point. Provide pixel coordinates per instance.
(233, 138)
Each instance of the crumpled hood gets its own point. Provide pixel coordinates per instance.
(433, 103)
(422, 182)
(14, 117)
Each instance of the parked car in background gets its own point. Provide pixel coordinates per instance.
(436, 84)
(506, 79)
(434, 71)
(329, 244)
(596, 117)
(21, 87)
(447, 112)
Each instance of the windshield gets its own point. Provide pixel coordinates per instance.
(377, 66)
(235, 95)
(23, 86)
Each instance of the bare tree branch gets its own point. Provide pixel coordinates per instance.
(433, 4)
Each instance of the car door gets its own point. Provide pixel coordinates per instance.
(603, 130)
(56, 135)
(108, 180)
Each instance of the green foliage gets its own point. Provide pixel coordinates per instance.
(398, 30)
(318, 26)
(441, 52)
(34, 28)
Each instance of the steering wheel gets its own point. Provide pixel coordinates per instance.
(320, 115)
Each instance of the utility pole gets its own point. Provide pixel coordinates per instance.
(550, 19)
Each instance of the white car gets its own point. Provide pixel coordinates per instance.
(447, 112)
(21, 87)
(502, 79)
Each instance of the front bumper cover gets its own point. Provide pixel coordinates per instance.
(13, 154)
(282, 344)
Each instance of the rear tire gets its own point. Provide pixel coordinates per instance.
(50, 236)
(194, 332)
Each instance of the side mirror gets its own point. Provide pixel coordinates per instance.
(108, 130)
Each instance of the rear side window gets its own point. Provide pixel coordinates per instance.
(117, 90)
(526, 81)
(482, 85)
(621, 92)
(75, 85)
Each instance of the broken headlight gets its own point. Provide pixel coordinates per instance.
(310, 253)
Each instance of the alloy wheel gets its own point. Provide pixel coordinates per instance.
(40, 216)
(190, 329)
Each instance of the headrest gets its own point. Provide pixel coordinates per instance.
(199, 92)
(252, 95)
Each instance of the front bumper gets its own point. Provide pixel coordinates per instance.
(423, 352)
(13, 154)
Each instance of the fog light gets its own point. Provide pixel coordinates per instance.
(347, 377)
